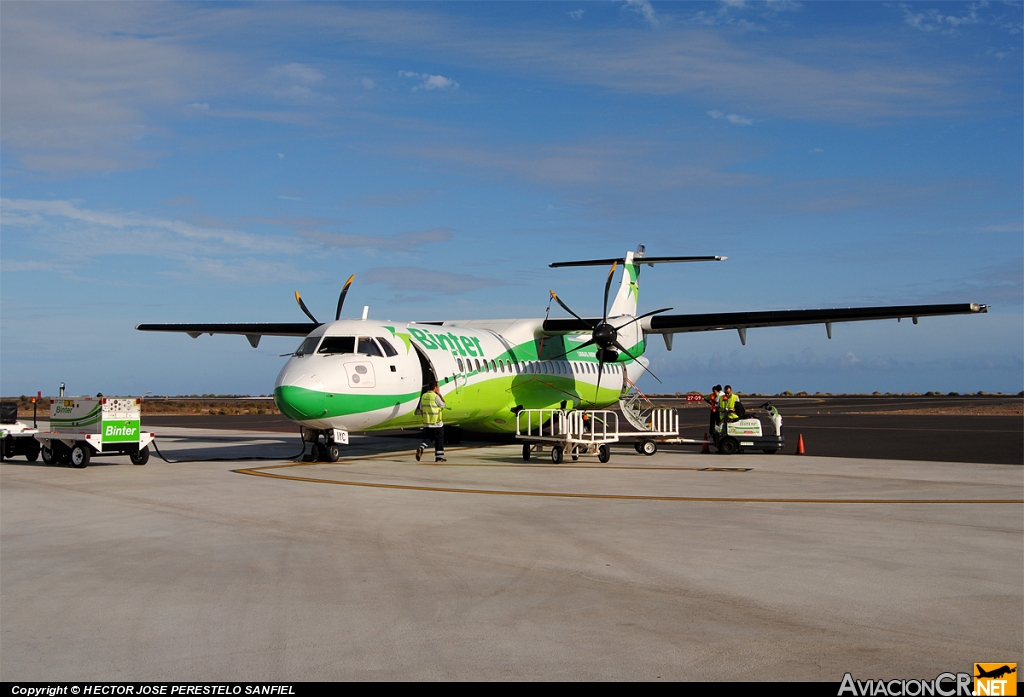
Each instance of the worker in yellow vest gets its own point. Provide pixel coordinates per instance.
(727, 405)
(431, 404)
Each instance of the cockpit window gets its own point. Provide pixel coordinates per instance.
(338, 344)
(388, 348)
(307, 346)
(368, 346)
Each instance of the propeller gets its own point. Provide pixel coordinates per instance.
(341, 301)
(606, 335)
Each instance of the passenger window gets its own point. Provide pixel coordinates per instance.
(388, 348)
(338, 344)
(462, 368)
(493, 369)
(307, 346)
(477, 364)
(368, 346)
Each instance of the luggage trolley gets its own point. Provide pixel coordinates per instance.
(578, 432)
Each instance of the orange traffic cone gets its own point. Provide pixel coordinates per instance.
(704, 448)
(800, 445)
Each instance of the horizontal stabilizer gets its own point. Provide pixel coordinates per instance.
(637, 259)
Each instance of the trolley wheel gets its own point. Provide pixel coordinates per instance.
(141, 457)
(314, 452)
(604, 453)
(63, 455)
(769, 451)
(648, 447)
(637, 448)
(79, 455)
(526, 452)
(3, 449)
(48, 456)
(575, 453)
(333, 452)
(728, 446)
(33, 451)
(556, 454)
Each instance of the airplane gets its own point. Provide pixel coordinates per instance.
(995, 673)
(367, 375)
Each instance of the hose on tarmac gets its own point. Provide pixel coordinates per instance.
(295, 458)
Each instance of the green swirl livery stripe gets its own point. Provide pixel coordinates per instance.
(93, 417)
(300, 404)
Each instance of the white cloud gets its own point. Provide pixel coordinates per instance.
(280, 155)
(644, 9)
(368, 83)
(430, 82)
(201, 106)
(731, 118)
(67, 234)
(817, 150)
(576, 14)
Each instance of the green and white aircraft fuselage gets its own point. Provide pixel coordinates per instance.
(487, 371)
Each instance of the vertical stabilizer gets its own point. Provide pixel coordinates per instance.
(626, 298)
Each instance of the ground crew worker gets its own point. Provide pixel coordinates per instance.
(712, 399)
(431, 404)
(727, 405)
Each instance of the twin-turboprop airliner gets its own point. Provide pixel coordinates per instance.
(365, 375)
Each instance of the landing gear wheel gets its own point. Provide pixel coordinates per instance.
(452, 435)
(48, 456)
(648, 447)
(33, 452)
(526, 452)
(728, 446)
(333, 453)
(769, 451)
(79, 455)
(141, 457)
(604, 453)
(556, 454)
(314, 452)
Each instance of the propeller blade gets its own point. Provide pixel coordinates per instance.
(341, 298)
(302, 305)
(622, 348)
(567, 308)
(608, 287)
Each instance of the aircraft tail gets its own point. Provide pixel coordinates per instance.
(626, 298)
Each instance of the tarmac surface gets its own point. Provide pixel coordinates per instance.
(679, 566)
(831, 426)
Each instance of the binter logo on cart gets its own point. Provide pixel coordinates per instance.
(114, 431)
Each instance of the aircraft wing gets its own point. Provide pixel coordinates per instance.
(677, 324)
(252, 331)
(672, 324)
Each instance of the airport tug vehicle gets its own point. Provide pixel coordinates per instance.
(16, 438)
(81, 427)
(750, 433)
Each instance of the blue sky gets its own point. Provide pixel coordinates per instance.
(199, 162)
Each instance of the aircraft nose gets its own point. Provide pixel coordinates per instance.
(299, 394)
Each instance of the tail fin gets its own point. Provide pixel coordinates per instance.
(626, 299)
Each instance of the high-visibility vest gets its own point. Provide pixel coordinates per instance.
(726, 407)
(431, 411)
